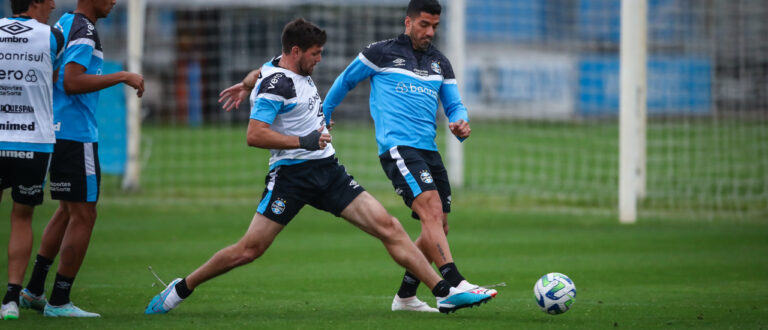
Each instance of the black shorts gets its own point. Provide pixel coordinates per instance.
(24, 172)
(413, 171)
(322, 183)
(75, 171)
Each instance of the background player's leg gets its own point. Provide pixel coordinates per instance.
(49, 248)
(19, 249)
(369, 215)
(54, 231)
(74, 245)
(20, 242)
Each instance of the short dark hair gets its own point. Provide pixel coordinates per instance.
(416, 7)
(303, 34)
(21, 6)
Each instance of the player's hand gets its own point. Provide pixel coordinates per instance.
(317, 140)
(330, 126)
(460, 128)
(136, 81)
(233, 96)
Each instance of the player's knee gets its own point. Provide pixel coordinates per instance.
(388, 227)
(250, 253)
(431, 219)
(22, 212)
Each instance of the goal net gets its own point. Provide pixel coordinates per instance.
(540, 79)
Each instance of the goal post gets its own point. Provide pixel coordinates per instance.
(455, 49)
(632, 103)
(135, 49)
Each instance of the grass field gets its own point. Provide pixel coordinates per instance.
(323, 273)
(526, 211)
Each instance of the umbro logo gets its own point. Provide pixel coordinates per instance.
(15, 28)
(399, 62)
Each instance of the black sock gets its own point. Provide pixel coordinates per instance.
(36, 283)
(182, 289)
(451, 274)
(408, 286)
(61, 289)
(442, 289)
(12, 294)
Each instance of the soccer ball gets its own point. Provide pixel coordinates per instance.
(555, 293)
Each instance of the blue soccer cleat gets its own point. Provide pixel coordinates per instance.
(30, 300)
(165, 301)
(66, 310)
(457, 300)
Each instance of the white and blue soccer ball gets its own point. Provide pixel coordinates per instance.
(555, 293)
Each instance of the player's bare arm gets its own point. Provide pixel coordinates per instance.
(76, 81)
(235, 94)
(260, 135)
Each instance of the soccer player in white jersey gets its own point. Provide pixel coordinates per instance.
(75, 173)
(29, 52)
(287, 119)
(408, 76)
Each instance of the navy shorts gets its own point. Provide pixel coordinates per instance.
(322, 183)
(24, 172)
(413, 171)
(75, 171)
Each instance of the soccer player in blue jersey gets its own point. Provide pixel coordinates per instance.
(75, 174)
(287, 119)
(29, 52)
(408, 77)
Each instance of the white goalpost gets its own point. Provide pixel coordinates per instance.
(632, 104)
(456, 50)
(135, 49)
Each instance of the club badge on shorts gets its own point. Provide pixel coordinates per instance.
(425, 176)
(278, 206)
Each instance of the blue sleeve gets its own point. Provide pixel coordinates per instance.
(266, 110)
(356, 72)
(454, 109)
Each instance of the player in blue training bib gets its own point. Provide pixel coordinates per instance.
(408, 77)
(75, 173)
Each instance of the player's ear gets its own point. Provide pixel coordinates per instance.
(295, 51)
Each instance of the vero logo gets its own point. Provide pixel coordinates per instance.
(15, 28)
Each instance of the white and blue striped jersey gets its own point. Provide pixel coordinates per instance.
(291, 105)
(405, 88)
(75, 114)
(30, 52)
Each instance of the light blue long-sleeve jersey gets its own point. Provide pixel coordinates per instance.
(405, 88)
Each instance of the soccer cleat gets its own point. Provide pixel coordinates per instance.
(10, 311)
(411, 304)
(460, 299)
(29, 300)
(165, 301)
(469, 287)
(66, 310)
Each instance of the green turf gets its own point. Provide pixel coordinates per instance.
(324, 273)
